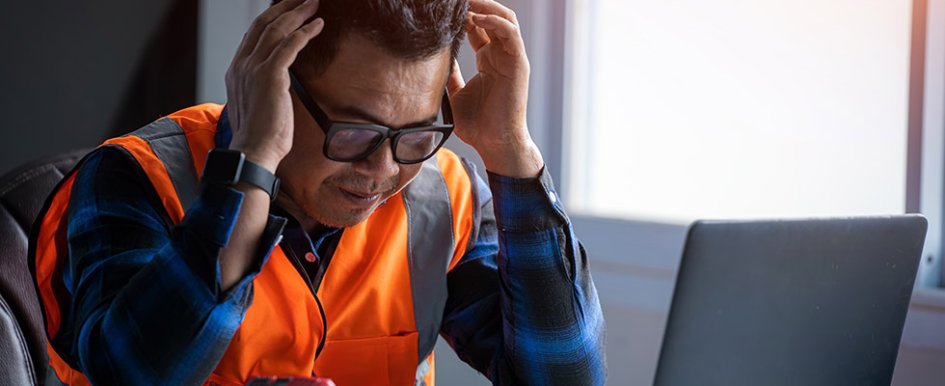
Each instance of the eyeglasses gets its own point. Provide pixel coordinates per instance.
(352, 142)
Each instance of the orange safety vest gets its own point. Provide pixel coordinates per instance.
(383, 294)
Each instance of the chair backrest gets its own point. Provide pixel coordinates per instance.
(23, 193)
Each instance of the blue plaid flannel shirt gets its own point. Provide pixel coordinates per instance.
(148, 309)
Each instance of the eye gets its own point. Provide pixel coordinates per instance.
(357, 136)
(419, 138)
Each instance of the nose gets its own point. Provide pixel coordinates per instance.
(380, 165)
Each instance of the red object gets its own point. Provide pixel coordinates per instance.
(290, 381)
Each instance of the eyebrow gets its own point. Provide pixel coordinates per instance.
(359, 113)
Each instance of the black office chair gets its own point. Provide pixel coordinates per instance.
(22, 338)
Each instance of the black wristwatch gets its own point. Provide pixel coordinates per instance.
(230, 167)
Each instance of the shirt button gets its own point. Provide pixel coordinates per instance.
(310, 257)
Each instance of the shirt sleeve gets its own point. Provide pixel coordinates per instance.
(147, 301)
(522, 307)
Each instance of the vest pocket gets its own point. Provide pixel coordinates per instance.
(387, 360)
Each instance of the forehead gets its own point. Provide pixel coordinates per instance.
(362, 72)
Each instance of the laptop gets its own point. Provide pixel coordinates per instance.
(791, 302)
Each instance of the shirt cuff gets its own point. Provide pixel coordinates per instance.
(213, 214)
(526, 204)
(209, 223)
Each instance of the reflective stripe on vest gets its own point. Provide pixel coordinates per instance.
(406, 245)
(430, 237)
(169, 144)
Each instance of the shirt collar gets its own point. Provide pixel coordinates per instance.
(297, 236)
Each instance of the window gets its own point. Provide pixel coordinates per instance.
(683, 109)
(690, 109)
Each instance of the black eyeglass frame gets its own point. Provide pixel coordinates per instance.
(331, 127)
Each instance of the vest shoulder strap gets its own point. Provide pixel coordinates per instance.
(169, 143)
(430, 243)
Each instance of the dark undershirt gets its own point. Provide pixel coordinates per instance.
(296, 243)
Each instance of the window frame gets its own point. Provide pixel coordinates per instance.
(927, 133)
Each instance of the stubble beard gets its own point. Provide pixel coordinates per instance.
(327, 213)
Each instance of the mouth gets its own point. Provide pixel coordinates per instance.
(360, 199)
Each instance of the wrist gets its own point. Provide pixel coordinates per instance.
(519, 159)
(231, 167)
(266, 160)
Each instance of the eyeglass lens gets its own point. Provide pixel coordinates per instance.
(417, 145)
(354, 143)
(351, 143)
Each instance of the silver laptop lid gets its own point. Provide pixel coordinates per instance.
(794, 302)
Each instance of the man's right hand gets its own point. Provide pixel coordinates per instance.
(260, 111)
(259, 106)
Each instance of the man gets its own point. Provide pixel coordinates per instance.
(376, 242)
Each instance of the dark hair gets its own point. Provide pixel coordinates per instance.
(408, 29)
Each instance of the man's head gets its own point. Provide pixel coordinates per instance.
(407, 29)
(377, 61)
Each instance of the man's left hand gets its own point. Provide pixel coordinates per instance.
(489, 111)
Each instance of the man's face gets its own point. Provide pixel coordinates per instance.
(362, 84)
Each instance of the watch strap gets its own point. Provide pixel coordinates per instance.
(230, 167)
(258, 176)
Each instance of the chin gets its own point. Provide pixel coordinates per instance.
(341, 219)
(334, 214)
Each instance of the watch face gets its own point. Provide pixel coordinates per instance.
(223, 166)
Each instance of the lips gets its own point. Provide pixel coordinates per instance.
(360, 198)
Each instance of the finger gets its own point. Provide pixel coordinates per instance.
(489, 35)
(493, 8)
(477, 36)
(284, 55)
(492, 36)
(504, 31)
(456, 81)
(284, 25)
(259, 24)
